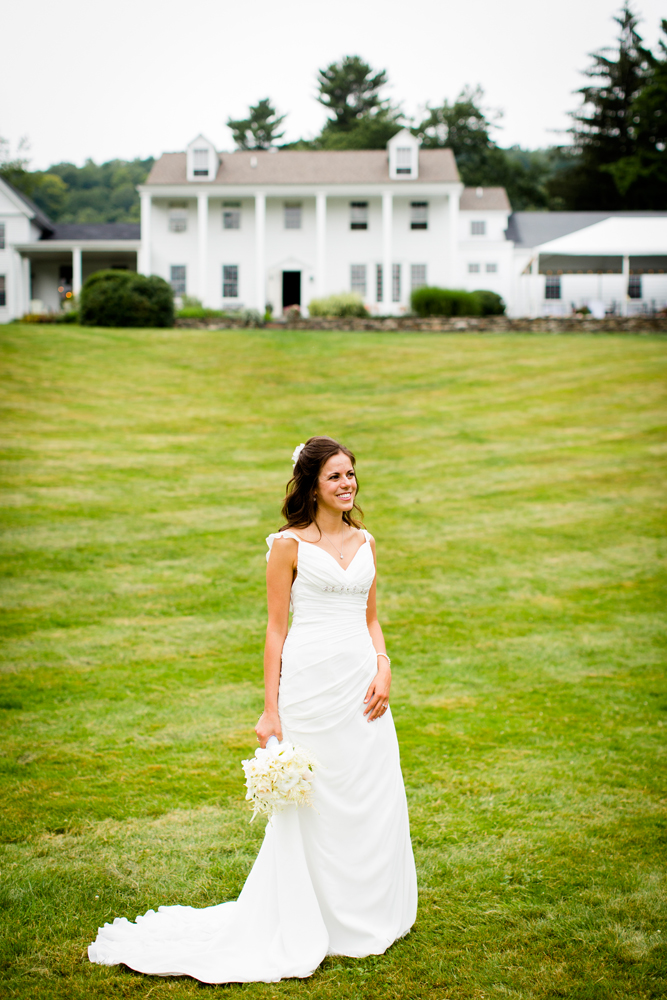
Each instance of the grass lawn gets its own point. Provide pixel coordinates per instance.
(515, 486)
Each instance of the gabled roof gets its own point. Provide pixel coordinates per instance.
(532, 229)
(485, 199)
(97, 231)
(35, 213)
(307, 166)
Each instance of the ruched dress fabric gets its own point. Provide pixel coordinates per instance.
(335, 878)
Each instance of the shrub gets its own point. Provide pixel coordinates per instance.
(71, 316)
(432, 301)
(252, 317)
(199, 312)
(125, 298)
(492, 304)
(343, 304)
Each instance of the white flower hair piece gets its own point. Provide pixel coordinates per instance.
(295, 454)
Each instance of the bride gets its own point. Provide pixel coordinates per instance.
(336, 878)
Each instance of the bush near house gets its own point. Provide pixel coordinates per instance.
(492, 304)
(343, 304)
(434, 301)
(124, 298)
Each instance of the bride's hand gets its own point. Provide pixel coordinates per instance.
(377, 696)
(268, 724)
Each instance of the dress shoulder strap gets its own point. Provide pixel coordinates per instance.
(367, 535)
(279, 534)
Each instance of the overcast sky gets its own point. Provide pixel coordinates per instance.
(138, 77)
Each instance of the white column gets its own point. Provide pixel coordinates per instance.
(260, 241)
(387, 227)
(454, 278)
(202, 245)
(144, 257)
(626, 280)
(26, 290)
(76, 272)
(321, 231)
(535, 281)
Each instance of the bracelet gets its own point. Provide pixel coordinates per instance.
(385, 656)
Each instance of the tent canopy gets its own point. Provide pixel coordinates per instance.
(613, 238)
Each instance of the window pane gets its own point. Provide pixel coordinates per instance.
(417, 276)
(396, 283)
(378, 283)
(635, 286)
(230, 281)
(2, 236)
(419, 215)
(177, 279)
(3, 292)
(231, 218)
(358, 215)
(358, 279)
(473, 268)
(552, 287)
(478, 228)
(200, 163)
(292, 215)
(491, 268)
(404, 160)
(178, 222)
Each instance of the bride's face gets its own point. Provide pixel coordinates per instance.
(337, 484)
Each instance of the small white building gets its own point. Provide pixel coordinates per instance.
(280, 227)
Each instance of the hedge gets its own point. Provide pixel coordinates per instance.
(433, 301)
(125, 298)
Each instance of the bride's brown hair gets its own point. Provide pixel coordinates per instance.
(300, 506)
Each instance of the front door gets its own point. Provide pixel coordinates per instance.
(291, 289)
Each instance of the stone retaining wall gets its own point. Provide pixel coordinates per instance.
(470, 324)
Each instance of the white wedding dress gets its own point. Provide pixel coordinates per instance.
(337, 878)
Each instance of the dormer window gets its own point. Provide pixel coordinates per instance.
(403, 149)
(200, 162)
(403, 160)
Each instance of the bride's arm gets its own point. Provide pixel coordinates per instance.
(279, 576)
(377, 695)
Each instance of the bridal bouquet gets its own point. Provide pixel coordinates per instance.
(279, 776)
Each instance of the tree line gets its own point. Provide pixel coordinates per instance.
(617, 157)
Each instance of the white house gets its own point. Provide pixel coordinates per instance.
(248, 228)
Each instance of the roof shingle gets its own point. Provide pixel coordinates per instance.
(306, 166)
(486, 199)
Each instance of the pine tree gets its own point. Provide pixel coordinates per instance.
(603, 129)
(643, 174)
(362, 119)
(260, 129)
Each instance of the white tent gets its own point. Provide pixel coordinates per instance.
(619, 236)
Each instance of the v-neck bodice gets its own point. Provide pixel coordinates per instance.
(323, 588)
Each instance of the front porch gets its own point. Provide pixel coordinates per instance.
(53, 271)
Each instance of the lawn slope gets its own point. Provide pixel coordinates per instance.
(516, 489)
